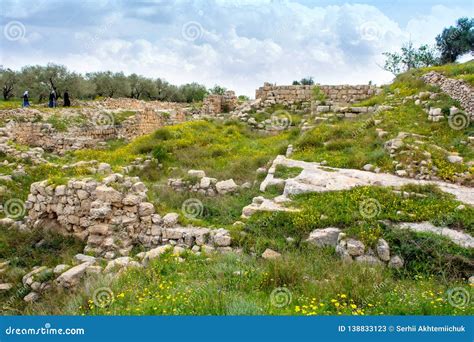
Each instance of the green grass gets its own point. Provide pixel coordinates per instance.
(25, 250)
(315, 282)
(222, 150)
(10, 104)
(285, 172)
(463, 71)
(233, 284)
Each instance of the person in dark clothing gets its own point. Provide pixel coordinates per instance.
(52, 99)
(67, 102)
(26, 102)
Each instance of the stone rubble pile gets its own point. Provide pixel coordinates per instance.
(456, 89)
(198, 182)
(354, 250)
(417, 162)
(34, 154)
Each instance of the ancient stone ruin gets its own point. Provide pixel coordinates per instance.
(112, 216)
(216, 104)
(456, 89)
(289, 94)
(93, 134)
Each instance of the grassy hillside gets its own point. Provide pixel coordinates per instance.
(315, 281)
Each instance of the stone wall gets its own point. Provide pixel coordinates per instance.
(299, 93)
(44, 135)
(133, 104)
(456, 89)
(215, 104)
(111, 216)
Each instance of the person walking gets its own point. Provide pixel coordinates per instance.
(52, 99)
(67, 102)
(26, 102)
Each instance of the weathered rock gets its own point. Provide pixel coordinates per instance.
(355, 247)
(368, 259)
(71, 277)
(107, 194)
(146, 209)
(170, 219)
(395, 262)
(31, 297)
(119, 263)
(324, 237)
(61, 269)
(81, 258)
(383, 250)
(227, 186)
(197, 173)
(5, 287)
(270, 254)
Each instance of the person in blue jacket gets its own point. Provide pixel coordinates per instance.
(26, 102)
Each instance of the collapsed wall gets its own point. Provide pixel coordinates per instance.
(44, 135)
(288, 94)
(216, 104)
(456, 89)
(112, 216)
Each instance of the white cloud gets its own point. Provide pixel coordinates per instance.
(241, 43)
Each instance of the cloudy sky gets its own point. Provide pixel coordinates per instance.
(235, 43)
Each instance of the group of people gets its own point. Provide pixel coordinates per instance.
(52, 99)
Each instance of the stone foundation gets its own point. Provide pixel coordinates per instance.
(111, 216)
(44, 135)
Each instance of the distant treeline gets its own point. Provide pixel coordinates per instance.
(41, 80)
